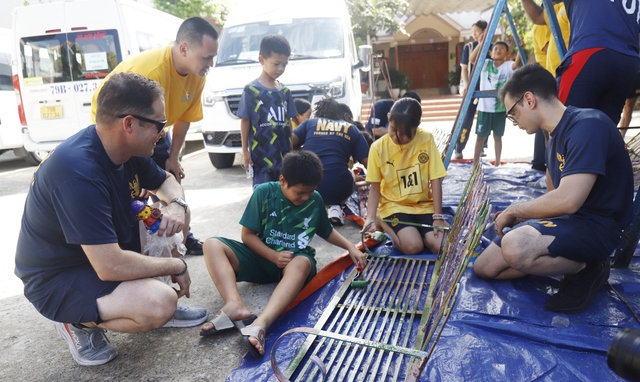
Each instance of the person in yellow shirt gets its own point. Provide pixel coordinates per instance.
(541, 35)
(180, 70)
(405, 171)
(539, 17)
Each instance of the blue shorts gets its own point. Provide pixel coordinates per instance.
(336, 187)
(69, 296)
(597, 78)
(411, 218)
(576, 238)
(256, 269)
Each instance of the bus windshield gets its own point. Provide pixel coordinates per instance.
(309, 39)
(69, 56)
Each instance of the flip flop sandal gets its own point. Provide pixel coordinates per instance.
(256, 332)
(222, 323)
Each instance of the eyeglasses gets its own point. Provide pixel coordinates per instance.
(510, 116)
(159, 124)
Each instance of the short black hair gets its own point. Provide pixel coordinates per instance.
(302, 105)
(406, 113)
(274, 43)
(301, 167)
(412, 94)
(530, 78)
(193, 30)
(345, 112)
(480, 24)
(126, 93)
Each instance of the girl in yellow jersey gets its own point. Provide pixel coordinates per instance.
(405, 172)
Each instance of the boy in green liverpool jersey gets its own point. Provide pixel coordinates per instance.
(277, 227)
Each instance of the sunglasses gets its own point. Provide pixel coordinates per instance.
(159, 124)
(510, 116)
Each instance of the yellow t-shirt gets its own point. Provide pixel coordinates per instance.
(182, 95)
(553, 58)
(541, 35)
(404, 172)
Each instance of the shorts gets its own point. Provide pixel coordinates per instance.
(488, 122)
(576, 238)
(256, 269)
(420, 219)
(336, 187)
(70, 296)
(265, 177)
(597, 78)
(635, 91)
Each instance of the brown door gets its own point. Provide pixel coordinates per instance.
(426, 64)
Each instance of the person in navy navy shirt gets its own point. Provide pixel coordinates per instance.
(572, 229)
(335, 141)
(602, 57)
(78, 251)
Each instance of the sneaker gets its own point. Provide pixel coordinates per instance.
(483, 154)
(194, 247)
(186, 317)
(336, 216)
(577, 291)
(457, 155)
(88, 346)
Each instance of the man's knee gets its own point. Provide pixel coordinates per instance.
(519, 247)
(161, 307)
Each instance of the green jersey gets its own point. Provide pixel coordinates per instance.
(282, 225)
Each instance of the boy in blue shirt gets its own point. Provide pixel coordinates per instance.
(266, 108)
(277, 227)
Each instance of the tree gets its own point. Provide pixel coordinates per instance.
(370, 16)
(523, 26)
(217, 10)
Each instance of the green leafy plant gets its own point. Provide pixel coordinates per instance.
(453, 78)
(399, 80)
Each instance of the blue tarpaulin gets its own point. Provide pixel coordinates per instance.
(498, 330)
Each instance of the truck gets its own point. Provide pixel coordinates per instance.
(63, 50)
(324, 62)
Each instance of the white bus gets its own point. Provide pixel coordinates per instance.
(63, 50)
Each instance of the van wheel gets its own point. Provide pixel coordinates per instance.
(222, 160)
(35, 157)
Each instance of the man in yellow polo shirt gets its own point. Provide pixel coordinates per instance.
(180, 69)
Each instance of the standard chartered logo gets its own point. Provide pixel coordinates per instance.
(303, 240)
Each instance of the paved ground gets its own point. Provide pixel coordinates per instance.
(31, 349)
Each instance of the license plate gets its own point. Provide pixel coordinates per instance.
(51, 112)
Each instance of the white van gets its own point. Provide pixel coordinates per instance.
(63, 50)
(323, 60)
(10, 128)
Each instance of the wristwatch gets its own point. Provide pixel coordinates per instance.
(181, 203)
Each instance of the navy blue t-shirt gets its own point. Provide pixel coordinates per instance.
(379, 115)
(334, 141)
(270, 112)
(79, 197)
(611, 24)
(587, 141)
